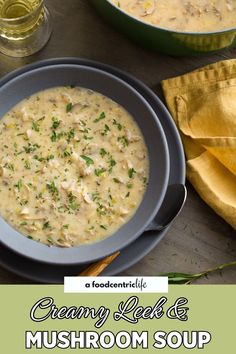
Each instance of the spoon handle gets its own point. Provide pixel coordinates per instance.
(172, 204)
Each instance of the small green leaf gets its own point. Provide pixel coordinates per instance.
(35, 126)
(27, 165)
(88, 160)
(123, 140)
(116, 180)
(50, 240)
(99, 172)
(55, 123)
(50, 157)
(69, 107)
(103, 152)
(9, 166)
(118, 125)
(103, 227)
(102, 116)
(23, 223)
(52, 188)
(131, 172)
(19, 185)
(46, 225)
(105, 130)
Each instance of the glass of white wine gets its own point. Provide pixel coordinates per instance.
(25, 27)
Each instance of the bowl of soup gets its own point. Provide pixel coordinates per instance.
(176, 27)
(84, 164)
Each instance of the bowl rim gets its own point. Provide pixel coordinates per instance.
(43, 255)
(231, 29)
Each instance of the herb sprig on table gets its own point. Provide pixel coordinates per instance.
(183, 278)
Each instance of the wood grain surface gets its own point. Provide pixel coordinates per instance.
(199, 239)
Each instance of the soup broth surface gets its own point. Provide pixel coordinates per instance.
(183, 15)
(73, 166)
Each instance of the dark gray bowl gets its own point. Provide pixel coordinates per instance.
(34, 80)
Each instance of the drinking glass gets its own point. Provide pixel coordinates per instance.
(25, 27)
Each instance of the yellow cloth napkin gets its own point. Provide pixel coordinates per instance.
(203, 105)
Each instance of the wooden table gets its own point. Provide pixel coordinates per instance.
(199, 239)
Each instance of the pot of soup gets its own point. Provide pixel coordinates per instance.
(176, 27)
(84, 164)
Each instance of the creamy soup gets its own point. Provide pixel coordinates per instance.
(74, 166)
(183, 15)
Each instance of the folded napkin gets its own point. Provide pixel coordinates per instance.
(203, 105)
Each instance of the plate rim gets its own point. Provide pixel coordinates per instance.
(114, 268)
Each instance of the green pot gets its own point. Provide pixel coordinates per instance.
(163, 40)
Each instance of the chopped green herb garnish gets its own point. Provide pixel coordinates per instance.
(50, 240)
(35, 126)
(39, 196)
(123, 140)
(55, 123)
(66, 153)
(72, 202)
(9, 166)
(103, 152)
(24, 202)
(69, 107)
(103, 227)
(39, 158)
(112, 163)
(46, 225)
(129, 185)
(83, 122)
(31, 148)
(98, 172)
(53, 136)
(23, 223)
(87, 159)
(66, 226)
(127, 195)
(101, 210)
(27, 165)
(42, 118)
(50, 157)
(118, 125)
(52, 188)
(116, 180)
(95, 196)
(144, 180)
(70, 135)
(102, 116)
(131, 172)
(30, 237)
(86, 130)
(106, 130)
(18, 185)
(86, 137)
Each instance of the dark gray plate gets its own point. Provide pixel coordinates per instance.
(145, 243)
